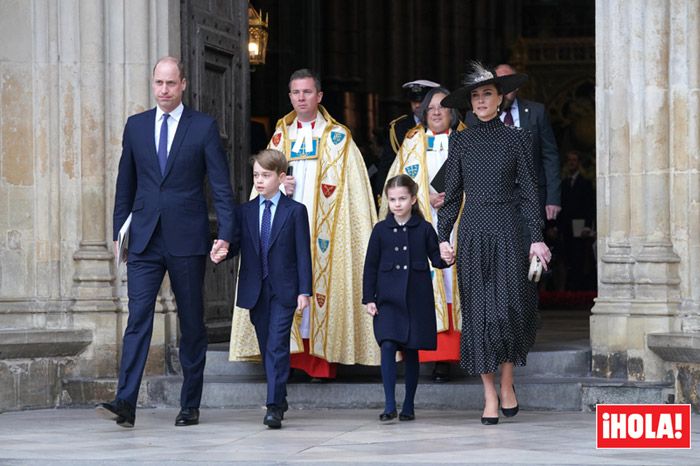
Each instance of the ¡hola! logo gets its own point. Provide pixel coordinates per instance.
(642, 426)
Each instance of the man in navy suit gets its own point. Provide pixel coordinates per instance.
(533, 116)
(166, 153)
(275, 271)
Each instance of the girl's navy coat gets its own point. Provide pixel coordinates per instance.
(397, 278)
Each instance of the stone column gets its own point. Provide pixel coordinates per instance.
(610, 313)
(647, 87)
(19, 171)
(47, 207)
(657, 294)
(93, 269)
(684, 77)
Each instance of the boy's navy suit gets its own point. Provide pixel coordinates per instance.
(273, 300)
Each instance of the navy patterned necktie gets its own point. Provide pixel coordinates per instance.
(163, 144)
(508, 118)
(265, 228)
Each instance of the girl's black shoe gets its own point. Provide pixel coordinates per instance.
(489, 421)
(384, 417)
(407, 417)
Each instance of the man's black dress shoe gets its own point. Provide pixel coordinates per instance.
(187, 417)
(273, 418)
(384, 417)
(510, 412)
(407, 417)
(117, 410)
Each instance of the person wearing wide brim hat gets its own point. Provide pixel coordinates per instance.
(481, 76)
(492, 164)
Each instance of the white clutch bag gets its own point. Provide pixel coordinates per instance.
(535, 272)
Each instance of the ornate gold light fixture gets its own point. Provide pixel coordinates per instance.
(257, 36)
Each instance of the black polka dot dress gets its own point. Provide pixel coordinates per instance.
(498, 301)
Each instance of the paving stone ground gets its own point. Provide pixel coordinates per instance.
(340, 436)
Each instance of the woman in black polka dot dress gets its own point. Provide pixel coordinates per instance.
(498, 302)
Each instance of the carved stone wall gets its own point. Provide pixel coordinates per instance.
(71, 72)
(648, 126)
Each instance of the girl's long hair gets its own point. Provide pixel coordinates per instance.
(404, 181)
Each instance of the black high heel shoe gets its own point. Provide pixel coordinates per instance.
(384, 417)
(490, 421)
(510, 412)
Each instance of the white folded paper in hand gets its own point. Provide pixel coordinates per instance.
(123, 241)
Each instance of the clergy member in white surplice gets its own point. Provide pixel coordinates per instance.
(329, 177)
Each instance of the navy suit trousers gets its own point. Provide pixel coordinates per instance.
(145, 272)
(273, 324)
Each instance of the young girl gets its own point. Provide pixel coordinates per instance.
(398, 290)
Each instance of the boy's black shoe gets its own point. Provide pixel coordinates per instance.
(273, 418)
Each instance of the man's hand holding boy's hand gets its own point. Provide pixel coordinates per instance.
(219, 251)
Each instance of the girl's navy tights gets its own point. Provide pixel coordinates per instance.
(410, 357)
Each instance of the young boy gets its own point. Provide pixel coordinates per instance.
(273, 239)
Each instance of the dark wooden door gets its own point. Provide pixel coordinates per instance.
(214, 52)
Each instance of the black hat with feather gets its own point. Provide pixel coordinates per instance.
(481, 76)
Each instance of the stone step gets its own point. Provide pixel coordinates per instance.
(572, 359)
(247, 391)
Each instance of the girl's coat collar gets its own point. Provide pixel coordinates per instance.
(412, 222)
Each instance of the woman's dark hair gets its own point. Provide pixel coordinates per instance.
(425, 103)
(405, 181)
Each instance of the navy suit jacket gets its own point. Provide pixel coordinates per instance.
(533, 117)
(289, 254)
(177, 197)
